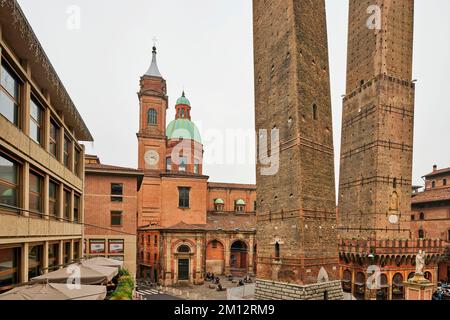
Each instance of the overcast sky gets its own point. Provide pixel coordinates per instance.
(205, 47)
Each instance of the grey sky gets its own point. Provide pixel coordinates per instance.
(205, 47)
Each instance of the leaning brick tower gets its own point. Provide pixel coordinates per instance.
(296, 206)
(378, 121)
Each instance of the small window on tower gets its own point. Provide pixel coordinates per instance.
(152, 117)
(196, 166)
(314, 111)
(168, 163)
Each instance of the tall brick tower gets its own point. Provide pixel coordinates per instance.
(376, 249)
(153, 103)
(378, 120)
(296, 207)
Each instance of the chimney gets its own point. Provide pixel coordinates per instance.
(434, 168)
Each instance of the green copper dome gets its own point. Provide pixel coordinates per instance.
(183, 128)
(183, 100)
(240, 202)
(219, 201)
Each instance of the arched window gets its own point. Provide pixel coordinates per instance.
(277, 251)
(152, 117)
(422, 216)
(433, 184)
(394, 184)
(184, 249)
(314, 110)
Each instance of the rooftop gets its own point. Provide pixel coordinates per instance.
(431, 196)
(436, 172)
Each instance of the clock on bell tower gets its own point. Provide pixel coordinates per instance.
(153, 103)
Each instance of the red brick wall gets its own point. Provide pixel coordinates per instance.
(98, 205)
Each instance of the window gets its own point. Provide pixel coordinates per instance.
(9, 94)
(214, 244)
(9, 183)
(314, 110)
(76, 250)
(53, 255)
(448, 235)
(182, 166)
(254, 206)
(422, 216)
(54, 133)
(116, 246)
(433, 184)
(394, 184)
(116, 218)
(76, 209)
(155, 244)
(36, 121)
(444, 182)
(77, 162)
(36, 183)
(168, 164)
(421, 234)
(413, 217)
(67, 204)
(35, 258)
(66, 252)
(96, 246)
(277, 251)
(184, 249)
(53, 206)
(67, 152)
(9, 270)
(116, 192)
(196, 166)
(152, 117)
(183, 197)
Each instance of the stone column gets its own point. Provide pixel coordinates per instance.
(24, 263)
(71, 252)
(199, 273)
(61, 252)
(45, 257)
(250, 256)
(227, 255)
(168, 269)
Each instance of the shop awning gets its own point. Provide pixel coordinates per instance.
(55, 291)
(86, 273)
(101, 261)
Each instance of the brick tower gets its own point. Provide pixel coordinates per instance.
(378, 120)
(296, 207)
(376, 249)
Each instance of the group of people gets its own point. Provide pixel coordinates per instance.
(442, 293)
(210, 277)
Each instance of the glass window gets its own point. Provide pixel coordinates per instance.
(66, 252)
(54, 133)
(36, 183)
(152, 117)
(67, 200)
(196, 166)
(116, 218)
(76, 250)
(116, 192)
(76, 209)
(97, 246)
(53, 254)
(9, 182)
(77, 163)
(9, 268)
(182, 166)
(53, 198)
(67, 151)
(116, 246)
(35, 261)
(36, 121)
(168, 163)
(444, 182)
(183, 197)
(9, 94)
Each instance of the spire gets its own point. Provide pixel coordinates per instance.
(153, 71)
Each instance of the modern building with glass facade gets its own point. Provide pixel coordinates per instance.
(41, 160)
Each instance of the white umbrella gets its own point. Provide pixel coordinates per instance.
(55, 291)
(80, 274)
(101, 261)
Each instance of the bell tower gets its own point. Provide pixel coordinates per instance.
(153, 103)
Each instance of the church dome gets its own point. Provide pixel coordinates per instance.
(183, 100)
(183, 128)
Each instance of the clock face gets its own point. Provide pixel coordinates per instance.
(151, 157)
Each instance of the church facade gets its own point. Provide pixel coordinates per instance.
(187, 226)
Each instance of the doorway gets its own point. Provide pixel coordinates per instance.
(183, 269)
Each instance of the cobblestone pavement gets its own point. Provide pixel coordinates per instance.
(201, 292)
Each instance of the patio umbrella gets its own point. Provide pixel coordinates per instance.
(55, 291)
(101, 261)
(86, 273)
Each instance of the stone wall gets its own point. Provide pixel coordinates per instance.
(271, 290)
